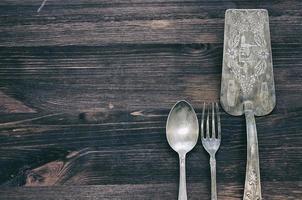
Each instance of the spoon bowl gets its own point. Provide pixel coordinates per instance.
(182, 127)
(182, 134)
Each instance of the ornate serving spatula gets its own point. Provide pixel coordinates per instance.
(247, 85)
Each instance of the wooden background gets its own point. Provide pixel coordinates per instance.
(86, 86)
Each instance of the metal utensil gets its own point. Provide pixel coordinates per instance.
(182, 135)
(247, 85)
(211, 142)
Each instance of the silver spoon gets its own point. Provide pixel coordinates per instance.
(182, 134)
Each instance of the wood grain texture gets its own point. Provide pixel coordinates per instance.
(147, 191)
(86, 87)
(155, 21)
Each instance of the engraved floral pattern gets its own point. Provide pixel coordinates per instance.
(246, 51)
(232, 53)
(252, 186)
(263, 54)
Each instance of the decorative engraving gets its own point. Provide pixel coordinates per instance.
(247, 63)
(231, 93)
(264, 94)
(251, 187)
(246, 50)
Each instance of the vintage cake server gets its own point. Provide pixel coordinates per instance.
(182, 134)
(247, 85)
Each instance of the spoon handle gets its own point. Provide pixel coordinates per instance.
(182, 194)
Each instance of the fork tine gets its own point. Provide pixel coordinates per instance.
(208, 123)
(213, 121)
(218, 121)
(202, 122)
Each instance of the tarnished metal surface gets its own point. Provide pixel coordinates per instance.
(247, 85)
(182, 134)
(247, 62)
(211, 142)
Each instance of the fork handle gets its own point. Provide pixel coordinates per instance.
(252, 189)
(213, 178)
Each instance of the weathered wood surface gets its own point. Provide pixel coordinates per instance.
(86, 86)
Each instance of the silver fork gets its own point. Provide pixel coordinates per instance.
(211, 142)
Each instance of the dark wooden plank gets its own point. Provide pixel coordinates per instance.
(127, 77)
(124, 148)
(286, 190)
(158, 21)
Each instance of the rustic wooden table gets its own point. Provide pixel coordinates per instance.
(86, 86)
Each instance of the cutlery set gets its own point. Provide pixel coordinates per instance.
(247, 87)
